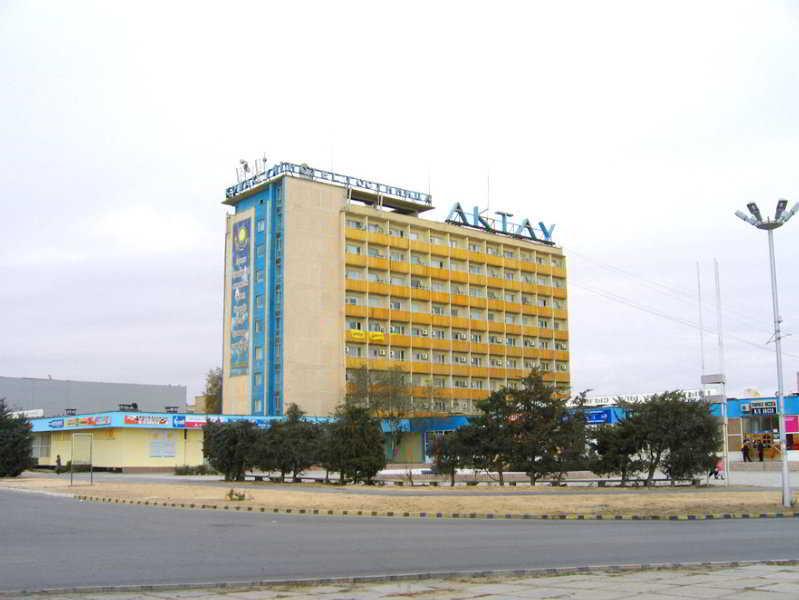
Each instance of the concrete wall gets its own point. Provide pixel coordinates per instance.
(235, 390)
(314, 296)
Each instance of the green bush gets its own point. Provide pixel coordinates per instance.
(16, 443)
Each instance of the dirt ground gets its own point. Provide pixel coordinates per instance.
(658, 501)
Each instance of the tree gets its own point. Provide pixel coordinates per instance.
(677, 436)
(616, 449)
(391, 401)
(449, 453)
(288, 446)
(489, 435)
(386, 394)
(16, 443)
(548, 436)
(213, 391)
(355, 444)
(228, 447)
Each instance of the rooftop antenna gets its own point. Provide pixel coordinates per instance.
(245, 167)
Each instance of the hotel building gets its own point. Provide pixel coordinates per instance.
(325, 273)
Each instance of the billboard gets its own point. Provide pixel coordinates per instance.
(240, 299)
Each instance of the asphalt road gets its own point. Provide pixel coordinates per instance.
(49, 542)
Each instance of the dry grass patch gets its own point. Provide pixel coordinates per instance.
(461, 500)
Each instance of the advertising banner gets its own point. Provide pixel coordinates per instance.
(148, 420)
(240, 299)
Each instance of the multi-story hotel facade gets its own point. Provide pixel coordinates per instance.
(326, 273)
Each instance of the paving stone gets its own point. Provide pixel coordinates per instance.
(738, 583)
(754, 595)
(791, 588)
(636, 586)
(398, 588)
(697, 591)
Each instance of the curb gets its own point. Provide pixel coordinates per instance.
(416, 576)
(438, 515)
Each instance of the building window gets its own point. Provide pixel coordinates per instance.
(352, 223)
(259, 225)
(397, 328)
(375, 228)
(259, 276)
(377, 251)
(393, 231)
(353, 249)
(397, 256)
(259, 301)
(259, 353)
(260, 250)
(477, 338)
(259, 378)
(259, 326)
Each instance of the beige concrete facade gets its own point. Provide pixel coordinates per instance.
(314, 365)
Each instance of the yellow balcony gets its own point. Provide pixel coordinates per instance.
(514, 329)
(496, 349)
(418, 246)
(399, 291)
(462, 370)
(421, 367)
(512, 263)
(529, 309)
(379, 313)
(355, 234)
(545, 311)
(475, 279)
(458, 276)
(355, 363)
(459, 299)
(355, 285)
(354, 311)
(496, 327)
(420, 294)
(490, 259)
(399, 267)
(379, 288)
(439, 344)
(478, 325)
(561, 334)
(495, 282)
(460, 322)
(514, 351)
(421, 343)
(559, 293)
(439, 250)
(421, 270)
(440, 320)
(496, 373)
(458, 253)
(479, 372)
(478, 348)
(377, 263)
(355, 260)
(439, 369)
(477, 302)
(398, 242)
(378, 238)
(440, 297)
(495, 304)
(400, 340)
(421, 318)
(401, 315)
(558, 272)
(460, 346)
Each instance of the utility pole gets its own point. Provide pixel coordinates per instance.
(780, 218)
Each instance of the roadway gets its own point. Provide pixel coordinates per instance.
(54, 542)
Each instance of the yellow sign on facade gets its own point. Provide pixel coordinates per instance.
(377, 336)
(357, 334)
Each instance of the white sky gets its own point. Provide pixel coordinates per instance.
(639, 128)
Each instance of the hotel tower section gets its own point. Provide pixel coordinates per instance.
(325, 273)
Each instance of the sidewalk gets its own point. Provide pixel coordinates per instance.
(750, 582)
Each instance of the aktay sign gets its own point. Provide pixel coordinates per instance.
(525, 229)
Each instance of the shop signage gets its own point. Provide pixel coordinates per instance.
(761, 407)
(55, 423)
(240, 299)
(146, 420)
(598, 417)
(476, 219)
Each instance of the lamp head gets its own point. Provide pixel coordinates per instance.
(755, 211)
(744, 217)
(790, 213)
(781, 206)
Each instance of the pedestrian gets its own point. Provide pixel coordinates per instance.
(58, 464)
(760, 450)
(745, 451)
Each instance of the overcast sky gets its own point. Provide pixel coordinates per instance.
(637, 127)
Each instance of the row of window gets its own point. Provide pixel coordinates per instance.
(445, 358)
(452, 310)
(460, 335)
(453, 287)
(443, 239)
(441, 357)
(452, 264)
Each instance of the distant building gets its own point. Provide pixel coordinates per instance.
(52, 397)
(327, 273)
(613, 399)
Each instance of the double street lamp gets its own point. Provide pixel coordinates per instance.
(780, 218)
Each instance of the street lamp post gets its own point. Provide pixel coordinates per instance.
(780, 218)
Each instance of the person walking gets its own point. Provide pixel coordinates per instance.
(58, 464)
(745, 451)
(760, 450)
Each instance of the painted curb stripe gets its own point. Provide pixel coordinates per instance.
(426, 515)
